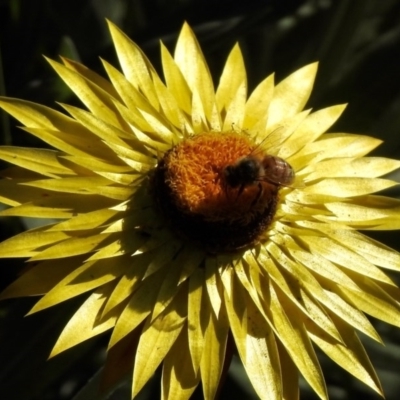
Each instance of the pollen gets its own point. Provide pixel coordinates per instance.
(193, 192)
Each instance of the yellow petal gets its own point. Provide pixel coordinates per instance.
(197, 318)
(375, 252)
(106, 131)
(12, 195)
(148, 137)
(323, 267)
(40, 278)
(212, 361)
(351, 355)
(297, 343)
(193, 66)
(25, 244)
(135, 65)
(358, 213)
(291, 95)
(135, 269)
(56, 205)
(139, 306)
(74, 246)
(130, 95)
(156, 341)
(91, 76)
(366, 167)
(290, 375)
(242, 271)
(85, 277)
(331, 145)
(212, 285)
(37, 116)
(96, 165)
(313, 126)
(375, 301)
(297, 271)
(271, 270)
(88, 220)
(235, 111)
(348, 187)
(279, 134)
(344, 257)
(84, 324)
(255, 342)
(232, 78)
(348, 313)
(175, 81)
(79, 142)
(98, 101)
(169, 287)
(179, 379)
(43, 161)
(80, 184)
(170, 107)
(256, 110)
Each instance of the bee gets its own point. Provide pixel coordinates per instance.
(251, 170)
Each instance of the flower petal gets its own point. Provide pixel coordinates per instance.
(134, 63)
(254, 340)
(41, 278)
(297, 343)
(212, 361)
(156, 340)
(351, 355)
(193, 66)
(232, 78)
(179, 379)
(84, 324)
(99, 102)
(291, 95)
(86, 277)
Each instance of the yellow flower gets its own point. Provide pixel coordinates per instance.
(192, 215)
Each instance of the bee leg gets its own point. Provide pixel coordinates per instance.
(240, 191)
(259, 194)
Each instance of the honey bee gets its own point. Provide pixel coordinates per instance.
(251, 170)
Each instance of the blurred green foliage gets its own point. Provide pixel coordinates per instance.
(358, 46)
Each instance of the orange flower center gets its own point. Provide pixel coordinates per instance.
(211, 187)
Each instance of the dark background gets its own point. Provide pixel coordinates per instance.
(358, 46)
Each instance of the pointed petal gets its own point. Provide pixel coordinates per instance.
(90, 75)
(175, 81)
(43, 161)
(310, 129)
(135, 65)
(193, 66)
(40, 278)
(212, 285)
(291, 95)
(256, 110)
(290, 374)
(348, 187)
(179, 379)
(84, 324)
(139, 307)
(351, 355)
(157, 339)
(297, 343)
(212, 361)
(255, 341)
(197, 318)
(85, 277)
(98, 101)
(232, 78)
